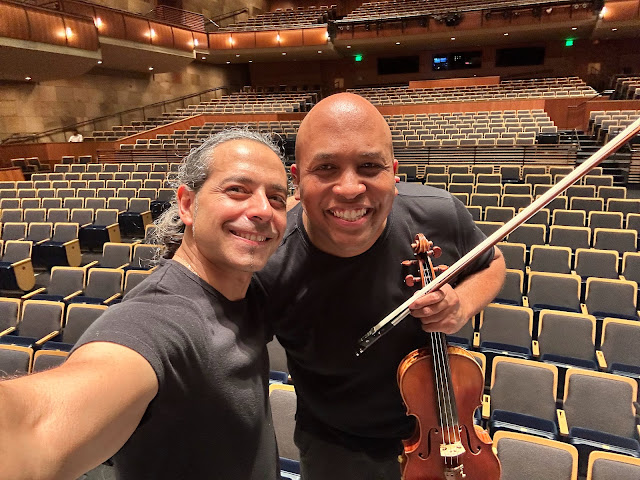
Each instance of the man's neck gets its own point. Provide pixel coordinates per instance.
(232, 285)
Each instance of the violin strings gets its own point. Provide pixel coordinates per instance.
(446, 414)
(442, 373)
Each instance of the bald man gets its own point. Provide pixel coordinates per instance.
(338, 272)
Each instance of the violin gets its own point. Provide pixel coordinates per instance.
(442, 386)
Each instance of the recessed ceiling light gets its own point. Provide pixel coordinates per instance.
(319, 51)
(506, 34)
(150, 68)
(574, 28)
(614, 29)
(27, 78)
(204, 58)
(284, 53)
(397, 43)
(348, 46)
(237, 55)
(228, 62)
(250, 61)
(453, 38)
(99, 62)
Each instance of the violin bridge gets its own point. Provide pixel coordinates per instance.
(451, 450)
(454, 473)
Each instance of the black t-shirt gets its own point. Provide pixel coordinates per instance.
(320, 305)
(211, 417)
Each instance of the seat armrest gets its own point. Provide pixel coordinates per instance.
(535, 348)
(42, 241)
(7, 331)
(562, 422)
(124, 265)
(486, 406)
(27, 296)
(583, 309)
(48, 337)
(525, 301)
(19, 263)
(602, 363)
(70, 296)
(112, 298)
(476, 339)
(71, 242)
(90, 265)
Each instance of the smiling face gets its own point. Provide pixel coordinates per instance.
(345, 173)
(237, 218)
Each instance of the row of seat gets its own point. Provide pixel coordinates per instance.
(536, 88)
(10, 207)
(626, 87)
(231, 104)
(104, 180)
(68, 165)
(513, 173)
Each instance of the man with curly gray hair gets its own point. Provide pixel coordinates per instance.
(172, 380)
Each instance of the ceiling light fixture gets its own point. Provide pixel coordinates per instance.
(99, 62)
(453, 38)
(97, 22)
(27, 78)
(150, 68)
(348, 46)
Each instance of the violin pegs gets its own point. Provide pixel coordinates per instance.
(408, 263)
(410, 280)
(440, 268)
(437, 251)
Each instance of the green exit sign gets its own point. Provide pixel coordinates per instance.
(358, 57)
(568, 42)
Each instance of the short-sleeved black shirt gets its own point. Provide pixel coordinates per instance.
(320, 305)
(211, 417)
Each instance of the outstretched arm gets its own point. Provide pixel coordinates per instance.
(448, 309)
(61, 423)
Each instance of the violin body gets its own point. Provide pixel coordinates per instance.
(426, 454)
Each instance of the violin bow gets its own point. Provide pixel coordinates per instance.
(454, 270)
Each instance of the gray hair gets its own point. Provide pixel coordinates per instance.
(193, 172)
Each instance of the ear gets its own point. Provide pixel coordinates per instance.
(186, 199)
(295, 173)
(395, 170)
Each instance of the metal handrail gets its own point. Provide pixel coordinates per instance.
(23, 138)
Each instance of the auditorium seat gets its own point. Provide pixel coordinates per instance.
(522, 398)
(283, 407)
(612, 466)
(46, 359)
(619, 352)
(543, 258)
(606, 297)
(527, 457)
(16, 268)
(600, 413)
(15, 360)
(40, 321)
